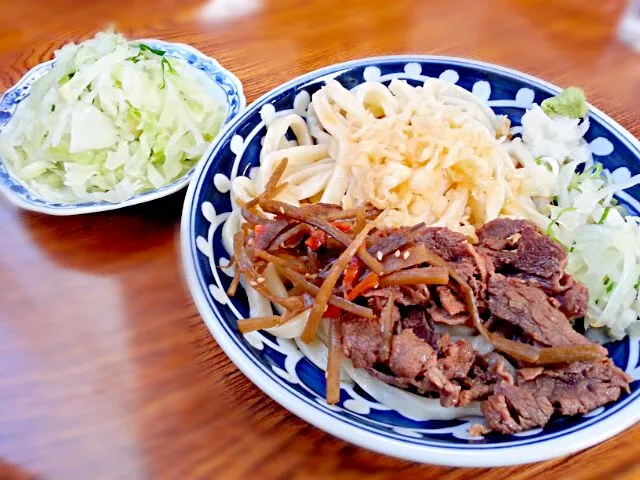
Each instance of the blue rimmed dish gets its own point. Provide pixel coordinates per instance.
(279, 368)
(222, 84)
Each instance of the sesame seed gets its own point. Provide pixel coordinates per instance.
(397, 254)
(261, 280)
(253, 284)
(282, 210)
(406, 255)
(379, 255)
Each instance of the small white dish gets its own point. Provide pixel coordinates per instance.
(225, 86)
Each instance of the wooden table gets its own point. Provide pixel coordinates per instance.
(107, 371)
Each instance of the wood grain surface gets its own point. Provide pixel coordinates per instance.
(107, 371)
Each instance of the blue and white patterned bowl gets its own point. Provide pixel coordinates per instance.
(223, 85)
(276, 365)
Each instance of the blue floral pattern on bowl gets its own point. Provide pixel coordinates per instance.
(228, 87)
(278, 367)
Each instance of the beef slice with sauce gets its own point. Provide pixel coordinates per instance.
(533, 294)
(450, 301)
(577, 387)
(519, 249)
(570, 389)
(455, 249)
(512, 409)
(361, 340)
(413, 358)
(530, 309)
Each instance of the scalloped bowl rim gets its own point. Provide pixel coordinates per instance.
(142, 197)
(456, 457)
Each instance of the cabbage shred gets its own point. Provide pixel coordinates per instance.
(110, 120)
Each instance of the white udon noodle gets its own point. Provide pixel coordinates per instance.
(320, 150)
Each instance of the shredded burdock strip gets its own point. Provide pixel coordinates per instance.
(299, 214)
(361, 219)
(416, 276)
(326, 290)
(334, 360)
(281, 260)
(286, 234)
(251, 215)
(386, 326)
(233, 288)
(336, 301)
(389, 244)
(246, 325)
(246, 267)
(577, 353)
(332, 213)
(272, 183)
(304, 285)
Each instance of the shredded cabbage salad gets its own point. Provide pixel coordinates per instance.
(581, 213)
(111, 119)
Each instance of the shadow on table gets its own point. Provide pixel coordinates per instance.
(109, 241)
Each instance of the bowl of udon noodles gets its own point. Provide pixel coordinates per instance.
(430, 257)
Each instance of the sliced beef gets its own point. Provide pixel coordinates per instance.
(411, 295)
(529, 373)
(539, 255)
(570, 389)
(439, 315)
(478, 390)
(410, 355)
(486, 373)
(416, 320)
(478, 429)
(450, 245)
(361, 340)
(499, 369)
(551, 286)
(574, 300)
(377, 300)
(386, 241)
(512, 409)
(578, 387)
(400, 382)
(523, 293)
(413, 358)
(518, 248)
(407, 295)
(450, 301)
(530, 309)
(458, 358)
(499, 233)
(454, 248)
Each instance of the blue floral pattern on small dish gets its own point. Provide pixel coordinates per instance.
(278, 367)
(228, 87)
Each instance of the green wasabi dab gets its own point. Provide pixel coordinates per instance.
(570, 103)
